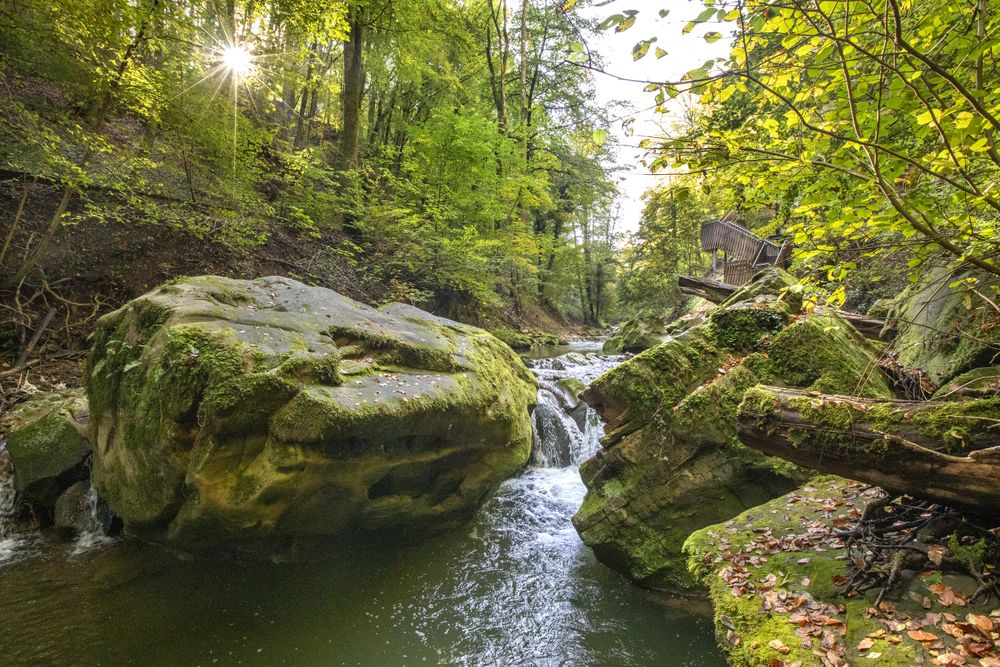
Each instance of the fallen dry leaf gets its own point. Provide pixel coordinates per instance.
(983, 623)
(922, 636)
(779, 646)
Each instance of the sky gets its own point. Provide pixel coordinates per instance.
(684, 53)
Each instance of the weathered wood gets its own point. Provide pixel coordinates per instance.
(869, 327)
(706, 288)
(898, 445)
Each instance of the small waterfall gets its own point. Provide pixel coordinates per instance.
(93, 529)
(566, 431)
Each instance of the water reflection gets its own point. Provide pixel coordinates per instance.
(514, 587)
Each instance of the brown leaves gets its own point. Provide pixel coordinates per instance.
(982, 623)
(947, 596)
(936, 553)
(921, 636)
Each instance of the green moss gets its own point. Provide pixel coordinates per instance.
(613, 488)
(771, 282)
(44, 450)
(524, 340)
(978, 382)
(945, 330)
(826, 354)
(663, 374)
(796, 573)
(636, 335)
(971, 555)
(743, 328)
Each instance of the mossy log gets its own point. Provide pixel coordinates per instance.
(719, 292)
(946, 451)
(708, 289)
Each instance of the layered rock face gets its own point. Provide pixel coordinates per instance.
(945, 330)
(267, 418)
(671, 462)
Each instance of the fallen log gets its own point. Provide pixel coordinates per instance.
(708, 289)
(945, 451)
(869, 327)
(717, 292)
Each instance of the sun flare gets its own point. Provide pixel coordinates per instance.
(238, 60)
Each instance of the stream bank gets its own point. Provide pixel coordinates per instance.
(513, 587)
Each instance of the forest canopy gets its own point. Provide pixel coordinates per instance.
(447, 150)
(862, 131)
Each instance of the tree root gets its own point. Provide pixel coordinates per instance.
(897, 533)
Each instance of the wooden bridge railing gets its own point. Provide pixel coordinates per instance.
(744, 253)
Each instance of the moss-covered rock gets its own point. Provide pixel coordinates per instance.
(771, 283)
(826, 354)
(636, 335)
(671, 462)
(774, 575)
(981, 383)
(268, 418)
(525, 340)
(945, 330)
(47, 444)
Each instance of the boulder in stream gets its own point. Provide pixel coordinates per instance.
(268, 418)
(47, 444)
(671, 462)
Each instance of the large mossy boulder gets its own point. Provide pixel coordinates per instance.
(671, 462)
(944, 328)
(267, 418)
(47, 444)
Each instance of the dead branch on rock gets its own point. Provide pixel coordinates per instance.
(900, 533)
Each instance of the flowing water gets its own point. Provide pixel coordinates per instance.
(514, 587)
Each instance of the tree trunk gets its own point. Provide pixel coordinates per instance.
(945, 451)
(354, 79)
(300, 122)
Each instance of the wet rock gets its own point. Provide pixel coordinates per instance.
(79, 511)
(47, 444)
(637, 335)
(945, 330)
(671, 462)
(571, 389)
(266, 418)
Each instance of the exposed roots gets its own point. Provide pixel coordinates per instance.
(899, 533)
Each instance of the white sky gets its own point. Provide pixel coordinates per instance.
(684, 53)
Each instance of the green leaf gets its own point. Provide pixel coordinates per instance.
(626, 23)
(712, 37)
(610, 21)
(640, 50)
(706, 15)
(600, 137)
(660, 53)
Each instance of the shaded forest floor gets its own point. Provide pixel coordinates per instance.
(91, 268)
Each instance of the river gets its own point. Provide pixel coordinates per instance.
(514, 587)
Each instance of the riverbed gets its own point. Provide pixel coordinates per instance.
(513, 587)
